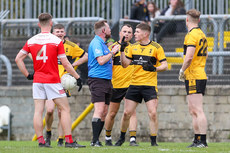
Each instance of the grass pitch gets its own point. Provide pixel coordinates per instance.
(144, 147)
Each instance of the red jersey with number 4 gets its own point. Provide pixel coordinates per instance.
(45, 49)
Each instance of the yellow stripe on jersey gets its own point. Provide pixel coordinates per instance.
(73, 53)
(196, 38)
(141, 54)
(121, 76)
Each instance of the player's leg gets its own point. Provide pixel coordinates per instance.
(109, 122)
(149, 94)
(117, 96)
(133, 129)
(39, 96)
(60, 131)
(58, 95)
(63, 105)
(50, 106)
(195, 104)
(153, 124)
(37, 121)
(129, 108)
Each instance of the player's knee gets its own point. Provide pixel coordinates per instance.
(127, 114)
(112, 114)
(50, 112)
(153, 115)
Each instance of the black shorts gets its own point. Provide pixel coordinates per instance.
(137, 93)
(101, 90)
(118, 94)
(195, 86)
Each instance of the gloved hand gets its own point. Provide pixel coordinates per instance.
(149, 66)
(123, 44)
(181, 76)
(30, 76)
(79, 83)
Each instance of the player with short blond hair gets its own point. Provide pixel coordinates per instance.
(193, 74)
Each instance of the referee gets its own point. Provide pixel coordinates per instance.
(99, 76)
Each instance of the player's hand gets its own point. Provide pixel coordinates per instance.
(79, 83)
(115, 49)
(30, 76)
(123, 44)
(149, 66)
(181, 76)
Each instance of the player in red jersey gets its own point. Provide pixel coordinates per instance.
(45, 49)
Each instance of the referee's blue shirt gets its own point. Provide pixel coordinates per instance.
(98, 47)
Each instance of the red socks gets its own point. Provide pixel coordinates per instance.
(68, 139)
(41, 140)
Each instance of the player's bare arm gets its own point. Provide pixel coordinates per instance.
(162, 67)
(82, 60)
(20, 63)
(124, 60)
(69, 68)
(188, 58)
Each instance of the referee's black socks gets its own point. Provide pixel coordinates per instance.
(96, 126)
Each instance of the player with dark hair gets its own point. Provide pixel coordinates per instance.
(121, 79)
(193, 74)
(76, 57)
(99, 76)
(145, 55)
(45, 49)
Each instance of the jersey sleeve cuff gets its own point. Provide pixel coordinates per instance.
(24, 52)
(61, 55)
(163, 60)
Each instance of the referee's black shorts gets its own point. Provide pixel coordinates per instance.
(137, 93)
(101, 90)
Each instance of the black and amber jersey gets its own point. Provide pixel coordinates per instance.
(121, 76)
(73, 53)
(196, 38)
(140, 54)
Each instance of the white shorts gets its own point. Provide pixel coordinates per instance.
(48, 91)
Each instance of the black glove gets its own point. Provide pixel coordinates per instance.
(123, 44)
(79, 83)
(149, 67)
(30, 76)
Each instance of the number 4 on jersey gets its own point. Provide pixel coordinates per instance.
(43, 57)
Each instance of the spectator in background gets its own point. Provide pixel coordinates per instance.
(153, 10)
(176, 7)
(139, 11)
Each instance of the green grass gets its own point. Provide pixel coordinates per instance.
(144, 147)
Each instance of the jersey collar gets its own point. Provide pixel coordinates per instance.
(194, 28)
(146, 44)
